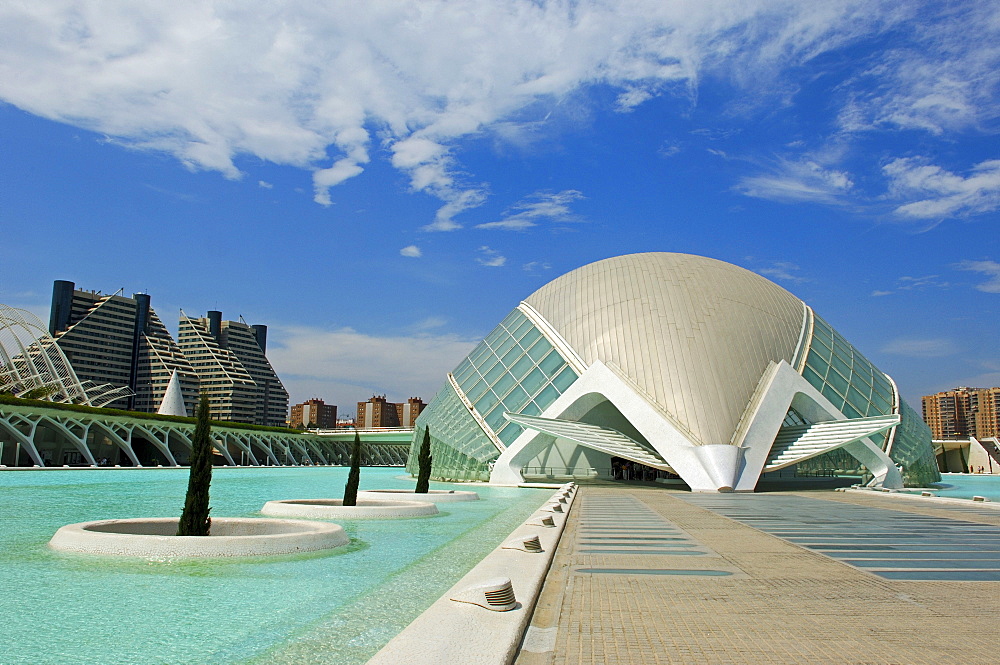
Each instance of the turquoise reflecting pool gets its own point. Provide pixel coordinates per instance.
(966, 486)
(312, 608)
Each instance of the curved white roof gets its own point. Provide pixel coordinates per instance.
(692, 333)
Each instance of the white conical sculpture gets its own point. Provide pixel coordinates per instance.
(173, 399)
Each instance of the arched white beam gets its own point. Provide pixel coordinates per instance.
(26, 441)
(154, 439)
(782, 388)
(317, 449)
(302, 450)
(253, 440)
(118, 441)
(220, 445)
(243, 446)
(705, 468)
(74, 438)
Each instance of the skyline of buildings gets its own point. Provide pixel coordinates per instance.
(228, 357)
(379, 412)
(963, 412)
(119, 340)
(313, 413)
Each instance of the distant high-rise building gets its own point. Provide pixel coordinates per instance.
(378, 412)
(409, 410)
(113, 339)
(963, 412)
(314, 413)
(228, 357)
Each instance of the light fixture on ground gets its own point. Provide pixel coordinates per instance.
(495, 594)
(524, 543)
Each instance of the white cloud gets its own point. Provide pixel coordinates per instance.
(490, 257)
(935, 193)
(537, 207)
(944, 77)
(989, 268)
(920, 348)
(783, 270)
(314, 85)
(264, 184)
(412, 251)
(345, 366)
(910, 283)
(533, 266)
(793, 181)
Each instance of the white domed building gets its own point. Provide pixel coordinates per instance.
(680, 363)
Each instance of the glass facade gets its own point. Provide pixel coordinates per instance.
(911, 448)
(514, 369)
(856, 387)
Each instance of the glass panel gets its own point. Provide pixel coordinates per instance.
(511, 356)
(530, 337)
(865, 377)
(505, 346)
(838, 364)
(516, 399)
(505, 383)
(510, 432)
(478, 354)
(819, 348)
(522, 367)
(476, 391)
(538, 351)
(545, 398)
(495, 373)
(495, 417)
(812, 377)
(841, 347)
(551, 363)
(512, 319)
(533, 381)
(881, 404)
(851, 412)
(818, 364)
(831, 395)
(531, 409)
(838, 382)
(463, 371)
(486, 402)
(565, 379)
(521, 329)
(857, 399)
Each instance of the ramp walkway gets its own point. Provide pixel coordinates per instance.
(650, 575)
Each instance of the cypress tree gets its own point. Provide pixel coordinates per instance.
(354, 477)
(424, 464)
(195, 520)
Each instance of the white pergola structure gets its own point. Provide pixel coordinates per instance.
(31, 359)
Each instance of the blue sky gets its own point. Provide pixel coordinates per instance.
(382, 183)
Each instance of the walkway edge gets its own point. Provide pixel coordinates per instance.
(450, 632)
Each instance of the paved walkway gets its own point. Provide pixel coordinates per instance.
(789, 578)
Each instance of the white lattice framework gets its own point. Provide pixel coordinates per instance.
(31, 359)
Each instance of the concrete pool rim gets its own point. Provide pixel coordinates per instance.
(434, 496)
(334, 509)
(154, 537)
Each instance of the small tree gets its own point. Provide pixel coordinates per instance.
(424, 464)
(354, 477)
(195, 520)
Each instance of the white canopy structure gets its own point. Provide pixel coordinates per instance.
(32, 363)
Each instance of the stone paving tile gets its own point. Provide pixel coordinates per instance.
(786, 604)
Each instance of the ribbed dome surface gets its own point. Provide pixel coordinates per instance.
(693, 333)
